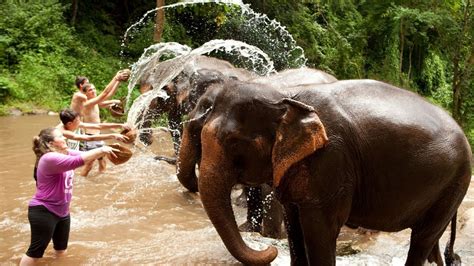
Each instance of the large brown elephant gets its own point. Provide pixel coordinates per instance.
(358, 151)
(189, 156)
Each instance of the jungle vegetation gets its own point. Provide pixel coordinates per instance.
(425, 46)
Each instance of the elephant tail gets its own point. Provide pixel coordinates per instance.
(450, 257)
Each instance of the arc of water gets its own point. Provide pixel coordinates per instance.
(183, 3)
(171, 68)
(245, 8)
(150, 59)
(253, 53)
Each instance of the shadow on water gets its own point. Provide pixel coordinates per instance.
(138, 213)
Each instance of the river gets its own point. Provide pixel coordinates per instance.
(138, 213)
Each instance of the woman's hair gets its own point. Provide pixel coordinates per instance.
(41, 142)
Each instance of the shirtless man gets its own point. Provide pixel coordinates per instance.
(71, 123)
(80, 100)
(86, 102)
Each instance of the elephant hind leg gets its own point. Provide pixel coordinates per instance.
(450, 257)
(427, 232)
(424, 244)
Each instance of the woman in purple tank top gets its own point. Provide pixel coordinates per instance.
(48, 210)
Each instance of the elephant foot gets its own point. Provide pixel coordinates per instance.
(241, 200)
(277, 234)
(170, 160)
(249, 227)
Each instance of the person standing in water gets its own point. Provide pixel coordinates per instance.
(48, 210)
(80, 101)
(91, 115)
(86, 102)
(71, 125)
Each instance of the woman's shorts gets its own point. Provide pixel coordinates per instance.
(46, 226)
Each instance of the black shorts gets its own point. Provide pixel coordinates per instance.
(45, 226)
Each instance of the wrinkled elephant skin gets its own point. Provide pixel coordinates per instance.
(358, 151)
(190, 151)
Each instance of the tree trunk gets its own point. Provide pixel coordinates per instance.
(74, 11)
(409, 62)
(159, 20)
(401, 51)
(457, 71)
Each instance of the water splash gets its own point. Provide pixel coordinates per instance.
(134, 26)
(251, 21)
(161, 73)
(152, 56)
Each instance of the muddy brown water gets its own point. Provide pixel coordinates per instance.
(138, 213)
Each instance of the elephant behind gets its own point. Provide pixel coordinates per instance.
(359, 151)
(182, 93)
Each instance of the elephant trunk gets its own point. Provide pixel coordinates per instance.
(187, 158)
(215, 192)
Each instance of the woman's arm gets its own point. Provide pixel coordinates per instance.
(55, 162)
(91, 155)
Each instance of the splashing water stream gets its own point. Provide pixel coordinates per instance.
(164, 72)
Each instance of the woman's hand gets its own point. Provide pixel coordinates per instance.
(120, 137)
(109, 150)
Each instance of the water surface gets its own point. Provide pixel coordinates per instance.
(138, 213)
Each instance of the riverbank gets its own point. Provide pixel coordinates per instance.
(34, 111)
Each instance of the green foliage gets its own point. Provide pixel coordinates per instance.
(433, 74)
(9, 89)
(26, 26)
(423, 46)
(44, 56)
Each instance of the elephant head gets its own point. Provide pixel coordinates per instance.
(245, 139)
(190, 149)
(184, 90)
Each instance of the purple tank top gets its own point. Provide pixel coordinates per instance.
(55, 177)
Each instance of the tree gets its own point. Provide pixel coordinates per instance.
(159, 20)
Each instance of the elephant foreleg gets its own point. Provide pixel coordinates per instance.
(272, 215)
(176, 129)
(295, 235)
(320, 231)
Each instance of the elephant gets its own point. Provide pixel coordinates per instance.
(182, 95)
(184, 91)
(358, 152)
(189, 156)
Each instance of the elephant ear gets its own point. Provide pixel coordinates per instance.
(299, 134)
